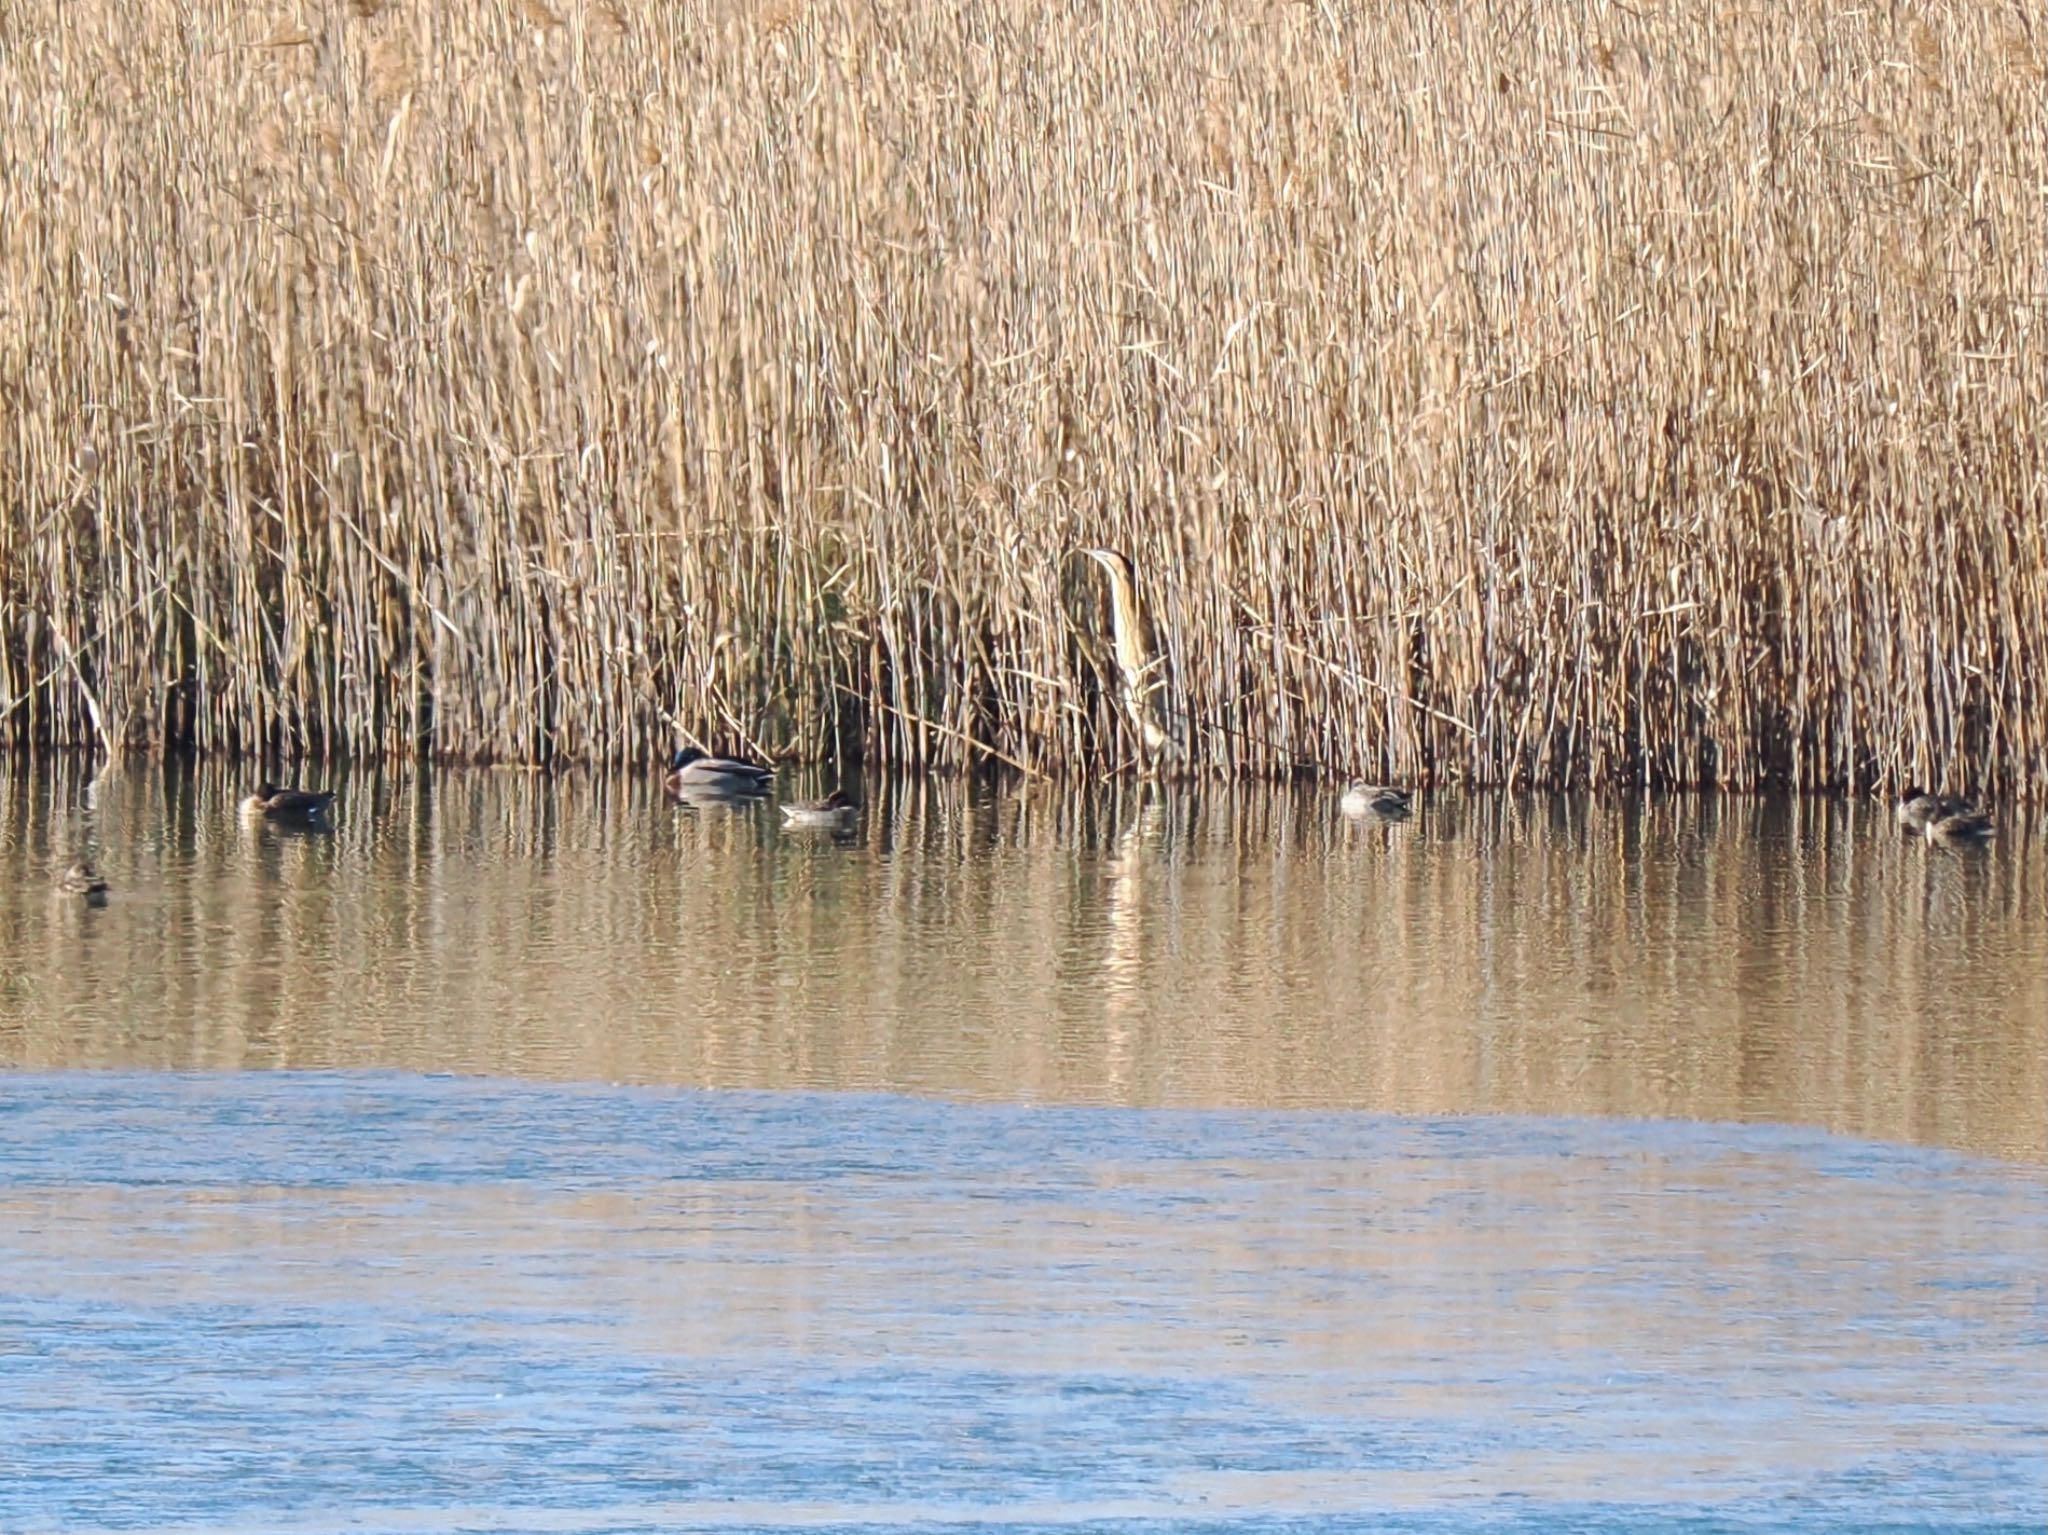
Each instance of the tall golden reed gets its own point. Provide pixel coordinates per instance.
(1534, 392)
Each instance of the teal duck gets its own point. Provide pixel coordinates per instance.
(85, 881)
(269, 802)
(835, 809)
(1376, 801)
(1961, 828)
(1917, 808)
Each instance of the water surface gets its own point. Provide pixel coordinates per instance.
(313, 1303)
(538, 1155)
(1729, 959)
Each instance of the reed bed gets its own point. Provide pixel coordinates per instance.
(1528, 393)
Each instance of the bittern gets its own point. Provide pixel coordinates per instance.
(1142, 676)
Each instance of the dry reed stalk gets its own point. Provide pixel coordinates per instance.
(1530, 395)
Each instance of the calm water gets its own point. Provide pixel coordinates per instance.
(1109, 1162)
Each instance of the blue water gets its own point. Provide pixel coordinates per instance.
(329, 1302)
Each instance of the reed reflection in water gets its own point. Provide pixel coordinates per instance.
(1744, 959)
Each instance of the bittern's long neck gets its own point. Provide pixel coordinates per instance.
(1125, 618)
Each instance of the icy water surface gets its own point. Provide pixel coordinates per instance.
(367, 1302)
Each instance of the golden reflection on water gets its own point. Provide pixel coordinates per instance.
(1703, 958)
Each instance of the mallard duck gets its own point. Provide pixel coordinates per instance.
(697, 796)
(692, 769)
(272, 803)
(835, 809)
(1376, 801)
(82, 879)
(1917, 808)
(1959, 828)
